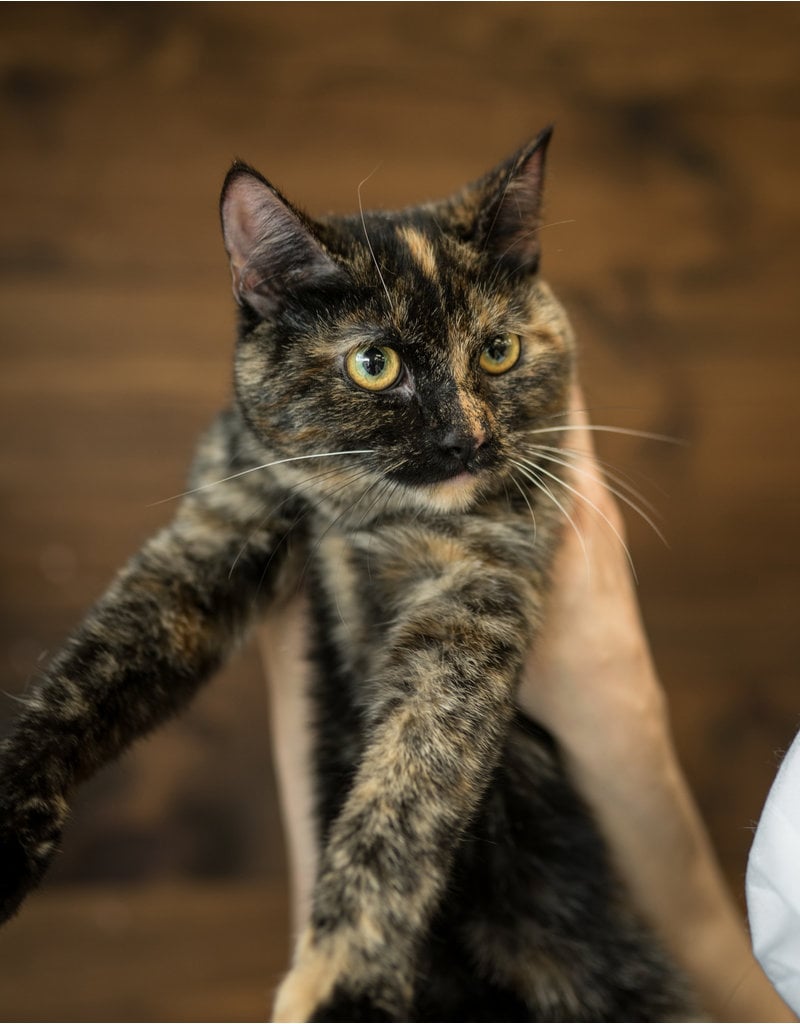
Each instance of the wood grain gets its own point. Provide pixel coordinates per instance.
(672, 224)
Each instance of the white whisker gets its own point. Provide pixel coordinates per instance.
(311, 481)
(515, 482)
(613, 472)
(645, 434)
(622, 480)
(366, 235)
(326, 495)
(616, 491)
(394, 486)
(255, 469)
(534, 479)
(345, 511)
(599, 511)
(387, 488)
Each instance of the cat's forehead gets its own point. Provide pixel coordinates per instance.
(418, 243)
(426, 279)
(420, 249)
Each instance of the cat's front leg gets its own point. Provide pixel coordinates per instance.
(165, 623)
(446, 683)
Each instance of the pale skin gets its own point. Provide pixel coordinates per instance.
(592, 682)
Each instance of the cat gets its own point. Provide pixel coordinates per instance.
(391, 372)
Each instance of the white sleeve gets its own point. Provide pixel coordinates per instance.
(773, 882)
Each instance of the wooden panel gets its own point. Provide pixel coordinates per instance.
(187, 952)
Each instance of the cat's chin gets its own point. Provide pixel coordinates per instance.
(456, 494)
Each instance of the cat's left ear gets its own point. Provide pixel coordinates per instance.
(272, 247)
(509, 207)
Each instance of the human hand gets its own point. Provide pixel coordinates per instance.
(590, 678)
(591, 681)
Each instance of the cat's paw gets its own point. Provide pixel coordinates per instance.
(28, 841)
(330, 981)
(311, 981)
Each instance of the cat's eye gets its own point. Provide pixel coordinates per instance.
(501, 353)
(375, 367)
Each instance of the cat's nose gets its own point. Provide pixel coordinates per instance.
(461, 446)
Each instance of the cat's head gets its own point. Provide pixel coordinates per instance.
(423, 342)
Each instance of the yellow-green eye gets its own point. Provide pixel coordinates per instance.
(501, 353)
(375, 367)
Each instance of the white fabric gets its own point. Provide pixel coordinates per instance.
(773, 882)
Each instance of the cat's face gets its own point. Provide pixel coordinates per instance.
(421, 343)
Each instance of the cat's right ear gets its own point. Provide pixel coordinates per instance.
(272, 248)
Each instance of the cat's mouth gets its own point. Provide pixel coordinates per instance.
(449, 478)
(458, 468)
(429, 477)
(466, 478)
(450, 489)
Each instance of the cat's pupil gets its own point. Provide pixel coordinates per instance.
(497, 349)
(373, 362)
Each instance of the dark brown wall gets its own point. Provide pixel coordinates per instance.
(672, 237)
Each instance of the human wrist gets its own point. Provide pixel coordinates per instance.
(620, 726)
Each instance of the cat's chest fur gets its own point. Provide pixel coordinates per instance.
(366, 580)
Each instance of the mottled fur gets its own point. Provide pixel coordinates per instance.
(460, 876)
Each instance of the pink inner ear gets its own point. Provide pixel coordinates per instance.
(256, 225)
(270, 246)
(245, 217)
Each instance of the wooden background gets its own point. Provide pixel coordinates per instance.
(672, 238)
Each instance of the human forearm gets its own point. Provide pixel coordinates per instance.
(662, 850)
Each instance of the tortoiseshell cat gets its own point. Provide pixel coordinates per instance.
(391, 373)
